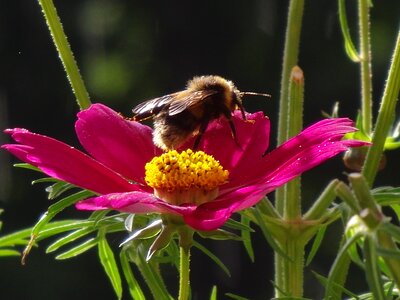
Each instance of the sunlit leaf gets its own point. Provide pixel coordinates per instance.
(109, 264)
(134, 288)
(77, 250)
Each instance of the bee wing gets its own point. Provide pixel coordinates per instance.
(189, 99)
(152, 107)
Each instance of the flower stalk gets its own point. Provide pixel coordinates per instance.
(385, 117)
(185, 243)
(365, 65)
(65, 53)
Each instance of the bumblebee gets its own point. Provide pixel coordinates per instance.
(181, 115)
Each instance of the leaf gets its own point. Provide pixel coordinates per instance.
(323, 280)
(57, 207)
(348, 43)
(237, 225)
(317, 242)
(109, 264)
(337, 264)
(270, 239)
(213, 295)
(372, 272)
(77, 250)
(27, 166)
(246, 237)
(212, 256)
(9, 252)
(57, 189)
(69, 238)
(392, 230)
(134, 288)
(219, 234)
(233, 296)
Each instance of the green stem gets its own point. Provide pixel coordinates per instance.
(292, 209)
(365, 63)
(294, 268)
(385, 117)
(185, 243)
(290, 59)
(65, 53)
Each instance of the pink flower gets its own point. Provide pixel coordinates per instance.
(119, 150)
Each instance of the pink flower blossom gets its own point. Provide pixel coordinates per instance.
(119, 150)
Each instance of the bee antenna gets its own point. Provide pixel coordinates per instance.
(254, 94)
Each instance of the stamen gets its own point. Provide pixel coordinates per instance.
(182, 171)
(187, 175)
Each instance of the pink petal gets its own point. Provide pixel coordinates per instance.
(310, 148)
(63, 162)
(123, 146)
(252, 142)
(133, 202)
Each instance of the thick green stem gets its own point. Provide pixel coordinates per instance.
(292, 209)
(290, 59)
(65, 53)
(294, 269)
(365, 64)
(385, 117)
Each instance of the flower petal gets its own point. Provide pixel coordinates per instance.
(63, 162)
(132, 202)
(252, 142)
(310, 148)
(123, 146)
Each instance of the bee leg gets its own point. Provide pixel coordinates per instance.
(202, 129)
(233, 131)
(241, 107)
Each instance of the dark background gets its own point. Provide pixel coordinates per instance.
(130, 51)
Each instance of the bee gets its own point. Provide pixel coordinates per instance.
(181, 115)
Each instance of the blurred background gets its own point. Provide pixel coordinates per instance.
(130, 51)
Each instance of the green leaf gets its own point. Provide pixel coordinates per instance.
(9, 252)
(232, 224)
(212, 256)
(233, 296)
(134, 288)
(69, 238)
(317, 242)
(270, 239)
(219, 234)
(27, 166)
(54, 228)
(57, 189)
(109, 264)
(348, 43)
(337, 265)
(150, 231)
(372, 272)
(56, 208)
(246, 237)
(323, 280)
(392, 230)
(77, 250)
(213, 295)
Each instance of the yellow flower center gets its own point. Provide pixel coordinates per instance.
(186, 177)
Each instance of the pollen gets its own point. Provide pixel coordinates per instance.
(185, 171)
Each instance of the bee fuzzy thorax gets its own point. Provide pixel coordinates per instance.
(217, 83)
